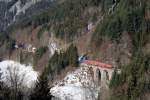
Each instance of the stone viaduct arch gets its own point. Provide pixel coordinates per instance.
(106, 74)
(102, 72)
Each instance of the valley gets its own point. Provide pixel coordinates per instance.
(74, 49)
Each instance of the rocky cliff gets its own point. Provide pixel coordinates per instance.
(13, 11)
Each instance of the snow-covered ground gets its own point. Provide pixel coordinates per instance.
(19, 8)
(11, 71)
(77, 85)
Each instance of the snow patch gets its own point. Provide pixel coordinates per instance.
(73, 93)
(78, 85)
(22, 9)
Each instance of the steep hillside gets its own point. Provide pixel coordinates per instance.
(122, 32)
(53, 24)
(52, 34)
(13, 11)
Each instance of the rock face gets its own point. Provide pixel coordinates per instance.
(15, 10)
(77, 85)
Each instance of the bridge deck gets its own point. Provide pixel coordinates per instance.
(98, 64)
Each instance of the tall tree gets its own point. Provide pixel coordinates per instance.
(41, 91)
(72, 54)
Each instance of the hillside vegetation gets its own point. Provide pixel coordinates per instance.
(111, 20)
(130, 16)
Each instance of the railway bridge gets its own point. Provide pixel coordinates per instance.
(101, 72)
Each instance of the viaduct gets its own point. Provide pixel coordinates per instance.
(102, 72)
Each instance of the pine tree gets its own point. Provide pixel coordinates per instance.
(72, 54)
(41, 91)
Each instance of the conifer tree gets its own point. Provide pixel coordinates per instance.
(41, 91)
(72, 54)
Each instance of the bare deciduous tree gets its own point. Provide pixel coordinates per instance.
(15, 81)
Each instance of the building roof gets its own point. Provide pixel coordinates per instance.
(98, 64)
